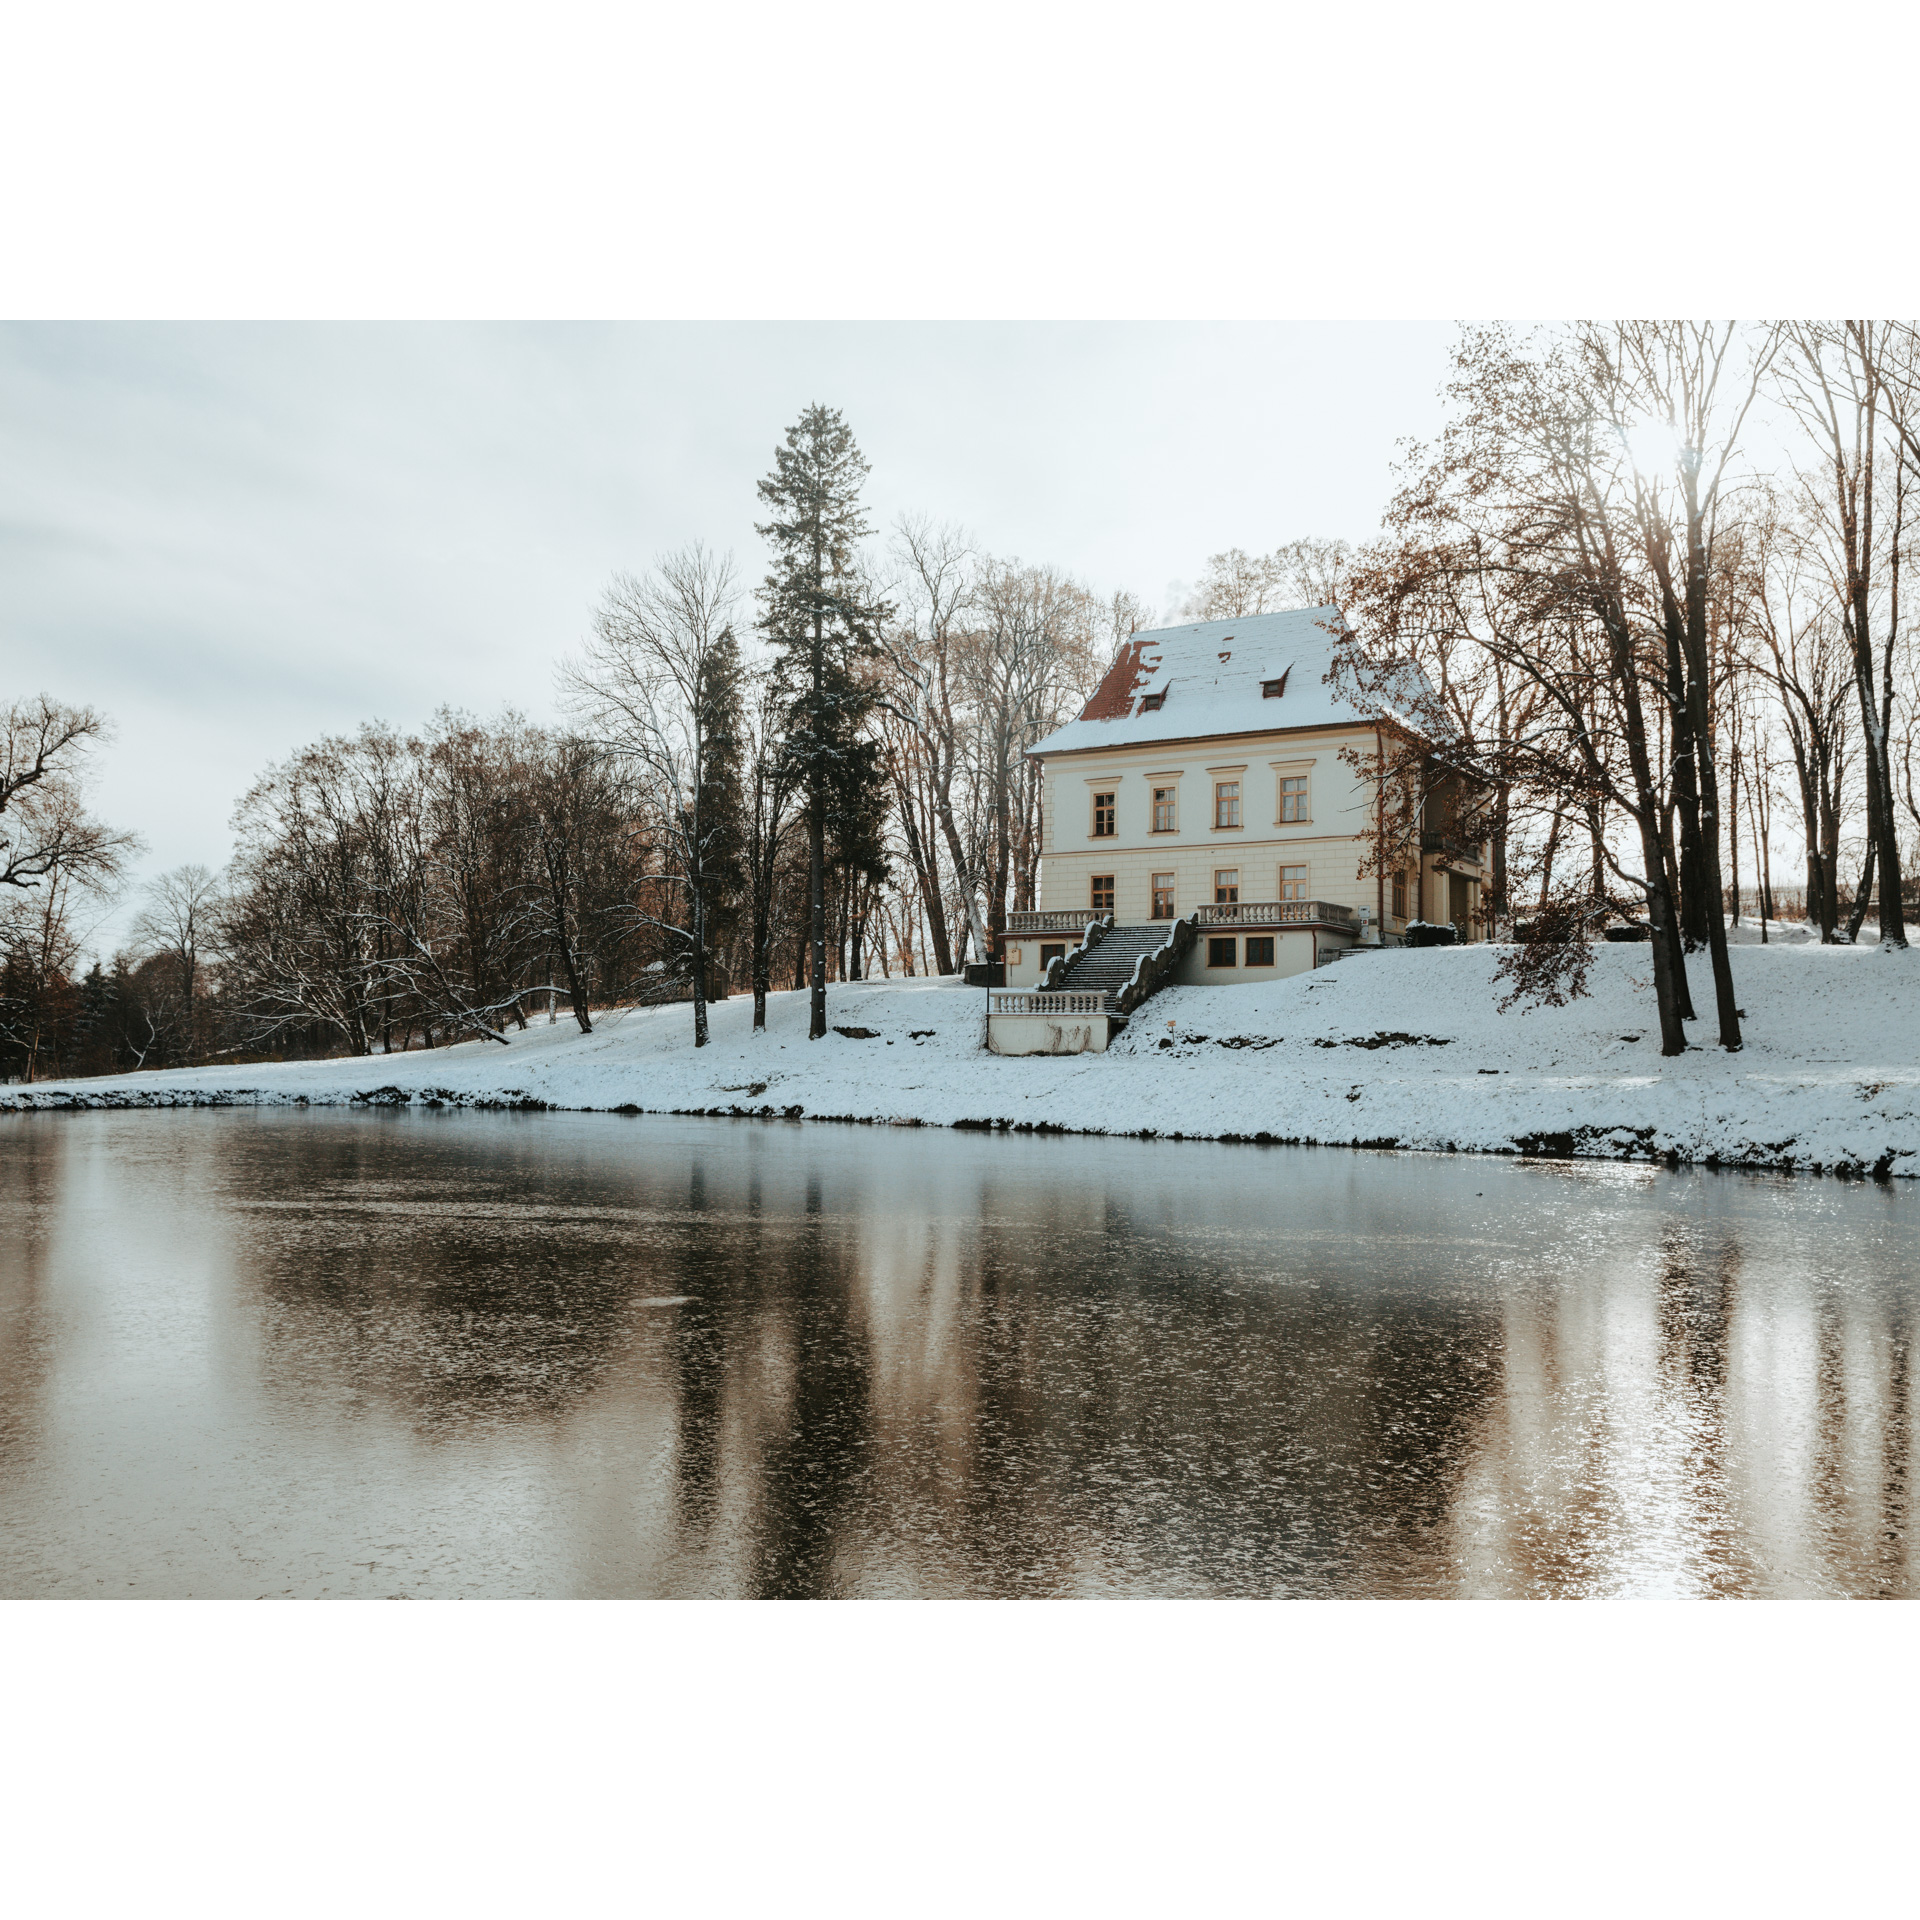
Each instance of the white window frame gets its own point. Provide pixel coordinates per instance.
(1284, 770)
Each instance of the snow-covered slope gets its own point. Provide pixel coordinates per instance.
(1403, 1048)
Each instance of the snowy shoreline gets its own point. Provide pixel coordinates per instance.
(1403, 1049)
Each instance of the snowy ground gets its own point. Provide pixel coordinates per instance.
(1404, 1048)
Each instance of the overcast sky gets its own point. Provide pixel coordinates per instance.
(234, 538)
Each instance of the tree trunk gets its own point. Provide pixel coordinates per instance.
(1669, 961)
(963, 876)
(1733, 830)
(1686, 796)
(576, 987)
(1668, 874)
(1706, 827)
(925, 856)
(1500, 905)
(1669, 966)
(699, 961)
(1546, 864)
(817, 905)
(762, 951)
(1862, 894)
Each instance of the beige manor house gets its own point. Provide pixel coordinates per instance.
(1201, 802)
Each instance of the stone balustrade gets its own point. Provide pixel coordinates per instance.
(1027, 925)
(1048, 1003)
(1277, 913)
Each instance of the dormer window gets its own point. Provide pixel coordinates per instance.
(1273, 689)
(1152, 702)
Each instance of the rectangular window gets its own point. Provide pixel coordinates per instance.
(1050, 953)
(1103, 893)
(1400, 894)
(1220, 953)
(1260, 950)
(1164, 811)
(1293, 797)
(1293, 883)
(1226, 803)
(1226, 887)
(1273, 689)
(1103, 816)
(1152, 702)
(1163, 896)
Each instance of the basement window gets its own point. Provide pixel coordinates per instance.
(1260, 950)
(1222, 953)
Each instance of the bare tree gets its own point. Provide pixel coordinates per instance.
(44, 828)
(1308, 572)
(55, 859)
(1687, 388)
(1834, 376)
(773, 792)
(177, 921)
(936, 573)
(578, 813)
(1534, 486)
(658, 686)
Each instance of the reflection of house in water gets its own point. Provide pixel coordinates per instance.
(1216, 809)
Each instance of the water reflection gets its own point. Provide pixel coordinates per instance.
(414, 1354)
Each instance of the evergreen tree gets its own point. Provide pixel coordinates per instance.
(857, 846)
(818, 614)
(721, 800)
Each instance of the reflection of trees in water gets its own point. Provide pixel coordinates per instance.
(990, 1408)
(37, 1160)
(1705, 1412)
(815, 1469)
(450, 1287)
(444, 1319)
(1893, 1568)
(769, 1384)
(1212, 1435)
(996, 1383)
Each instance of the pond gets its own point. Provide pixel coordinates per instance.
(414, 1354)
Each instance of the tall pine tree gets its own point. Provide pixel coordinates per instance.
(818, 613)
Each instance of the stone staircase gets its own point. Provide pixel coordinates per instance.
(1106, 968)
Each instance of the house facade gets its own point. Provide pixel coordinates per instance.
(1212, 774)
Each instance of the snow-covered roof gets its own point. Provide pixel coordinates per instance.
(1212, 674)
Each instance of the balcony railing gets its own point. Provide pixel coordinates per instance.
(1276, 913)
(1058, 1004)
(1447, 844)
(1029, 924)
